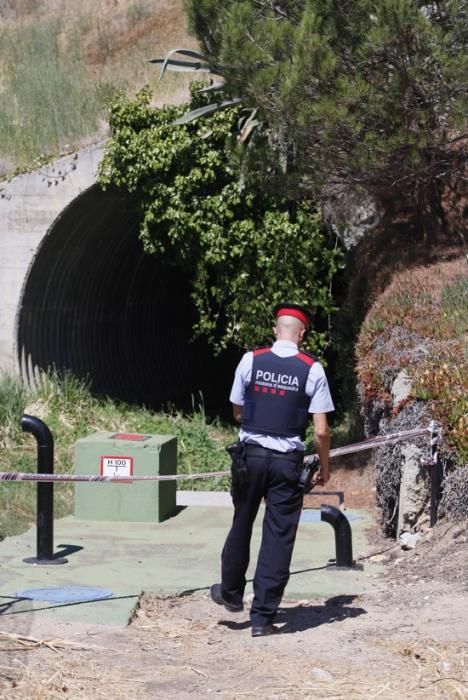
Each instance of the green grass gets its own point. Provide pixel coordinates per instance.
(71, 412)
(12, 399)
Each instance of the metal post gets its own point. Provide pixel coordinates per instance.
(436, 472)
(343, 537)
(45, 492)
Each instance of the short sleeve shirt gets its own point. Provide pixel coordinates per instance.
(316, 387)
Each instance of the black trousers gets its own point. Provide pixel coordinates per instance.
(274, 478)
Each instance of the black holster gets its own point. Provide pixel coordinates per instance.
(239, 472)
(307, 474)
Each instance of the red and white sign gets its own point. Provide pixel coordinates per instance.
(116, 466)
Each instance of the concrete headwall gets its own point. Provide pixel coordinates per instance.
(29, 206)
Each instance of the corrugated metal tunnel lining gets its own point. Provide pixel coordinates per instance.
(95, 304)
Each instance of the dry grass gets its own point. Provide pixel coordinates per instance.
(434, 673)
(70, 677)
(70, 672)
(170, 651)
(15, 642)
(440, 670)
(61, 63)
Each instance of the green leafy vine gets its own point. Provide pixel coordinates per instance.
(243, 247)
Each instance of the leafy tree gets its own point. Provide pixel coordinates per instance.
(373, 93)
(244, 248)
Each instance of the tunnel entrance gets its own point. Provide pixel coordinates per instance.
(96, 305)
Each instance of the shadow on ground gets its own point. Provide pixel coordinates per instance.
(303, 617)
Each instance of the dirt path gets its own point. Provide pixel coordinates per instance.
(407, 640)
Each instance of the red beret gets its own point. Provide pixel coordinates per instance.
(301, 312)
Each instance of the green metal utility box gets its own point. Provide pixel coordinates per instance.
(125, 454)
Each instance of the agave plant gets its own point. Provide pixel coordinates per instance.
(196, 62)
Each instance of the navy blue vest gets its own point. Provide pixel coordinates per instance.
(275, 400)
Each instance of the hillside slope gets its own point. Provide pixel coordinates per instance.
(412, 367)
(61, 63)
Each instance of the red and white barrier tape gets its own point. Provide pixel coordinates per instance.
(21, 476)
(337, 452)
(378, 441)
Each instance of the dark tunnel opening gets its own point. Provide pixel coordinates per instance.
(96, 305)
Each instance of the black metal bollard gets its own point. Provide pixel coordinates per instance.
(343, 536)
(437, 472)
(437, 477)
(45, 492)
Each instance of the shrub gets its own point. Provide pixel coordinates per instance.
(244, 248)
(419, 325)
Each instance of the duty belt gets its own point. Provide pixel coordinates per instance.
(267, 453)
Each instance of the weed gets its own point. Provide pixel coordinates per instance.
(62, 390)
(12, 403)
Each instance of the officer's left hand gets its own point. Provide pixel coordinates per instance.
(322, 476)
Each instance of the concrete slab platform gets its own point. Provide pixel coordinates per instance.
(178, 555)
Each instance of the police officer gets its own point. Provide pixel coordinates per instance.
(274, 391)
